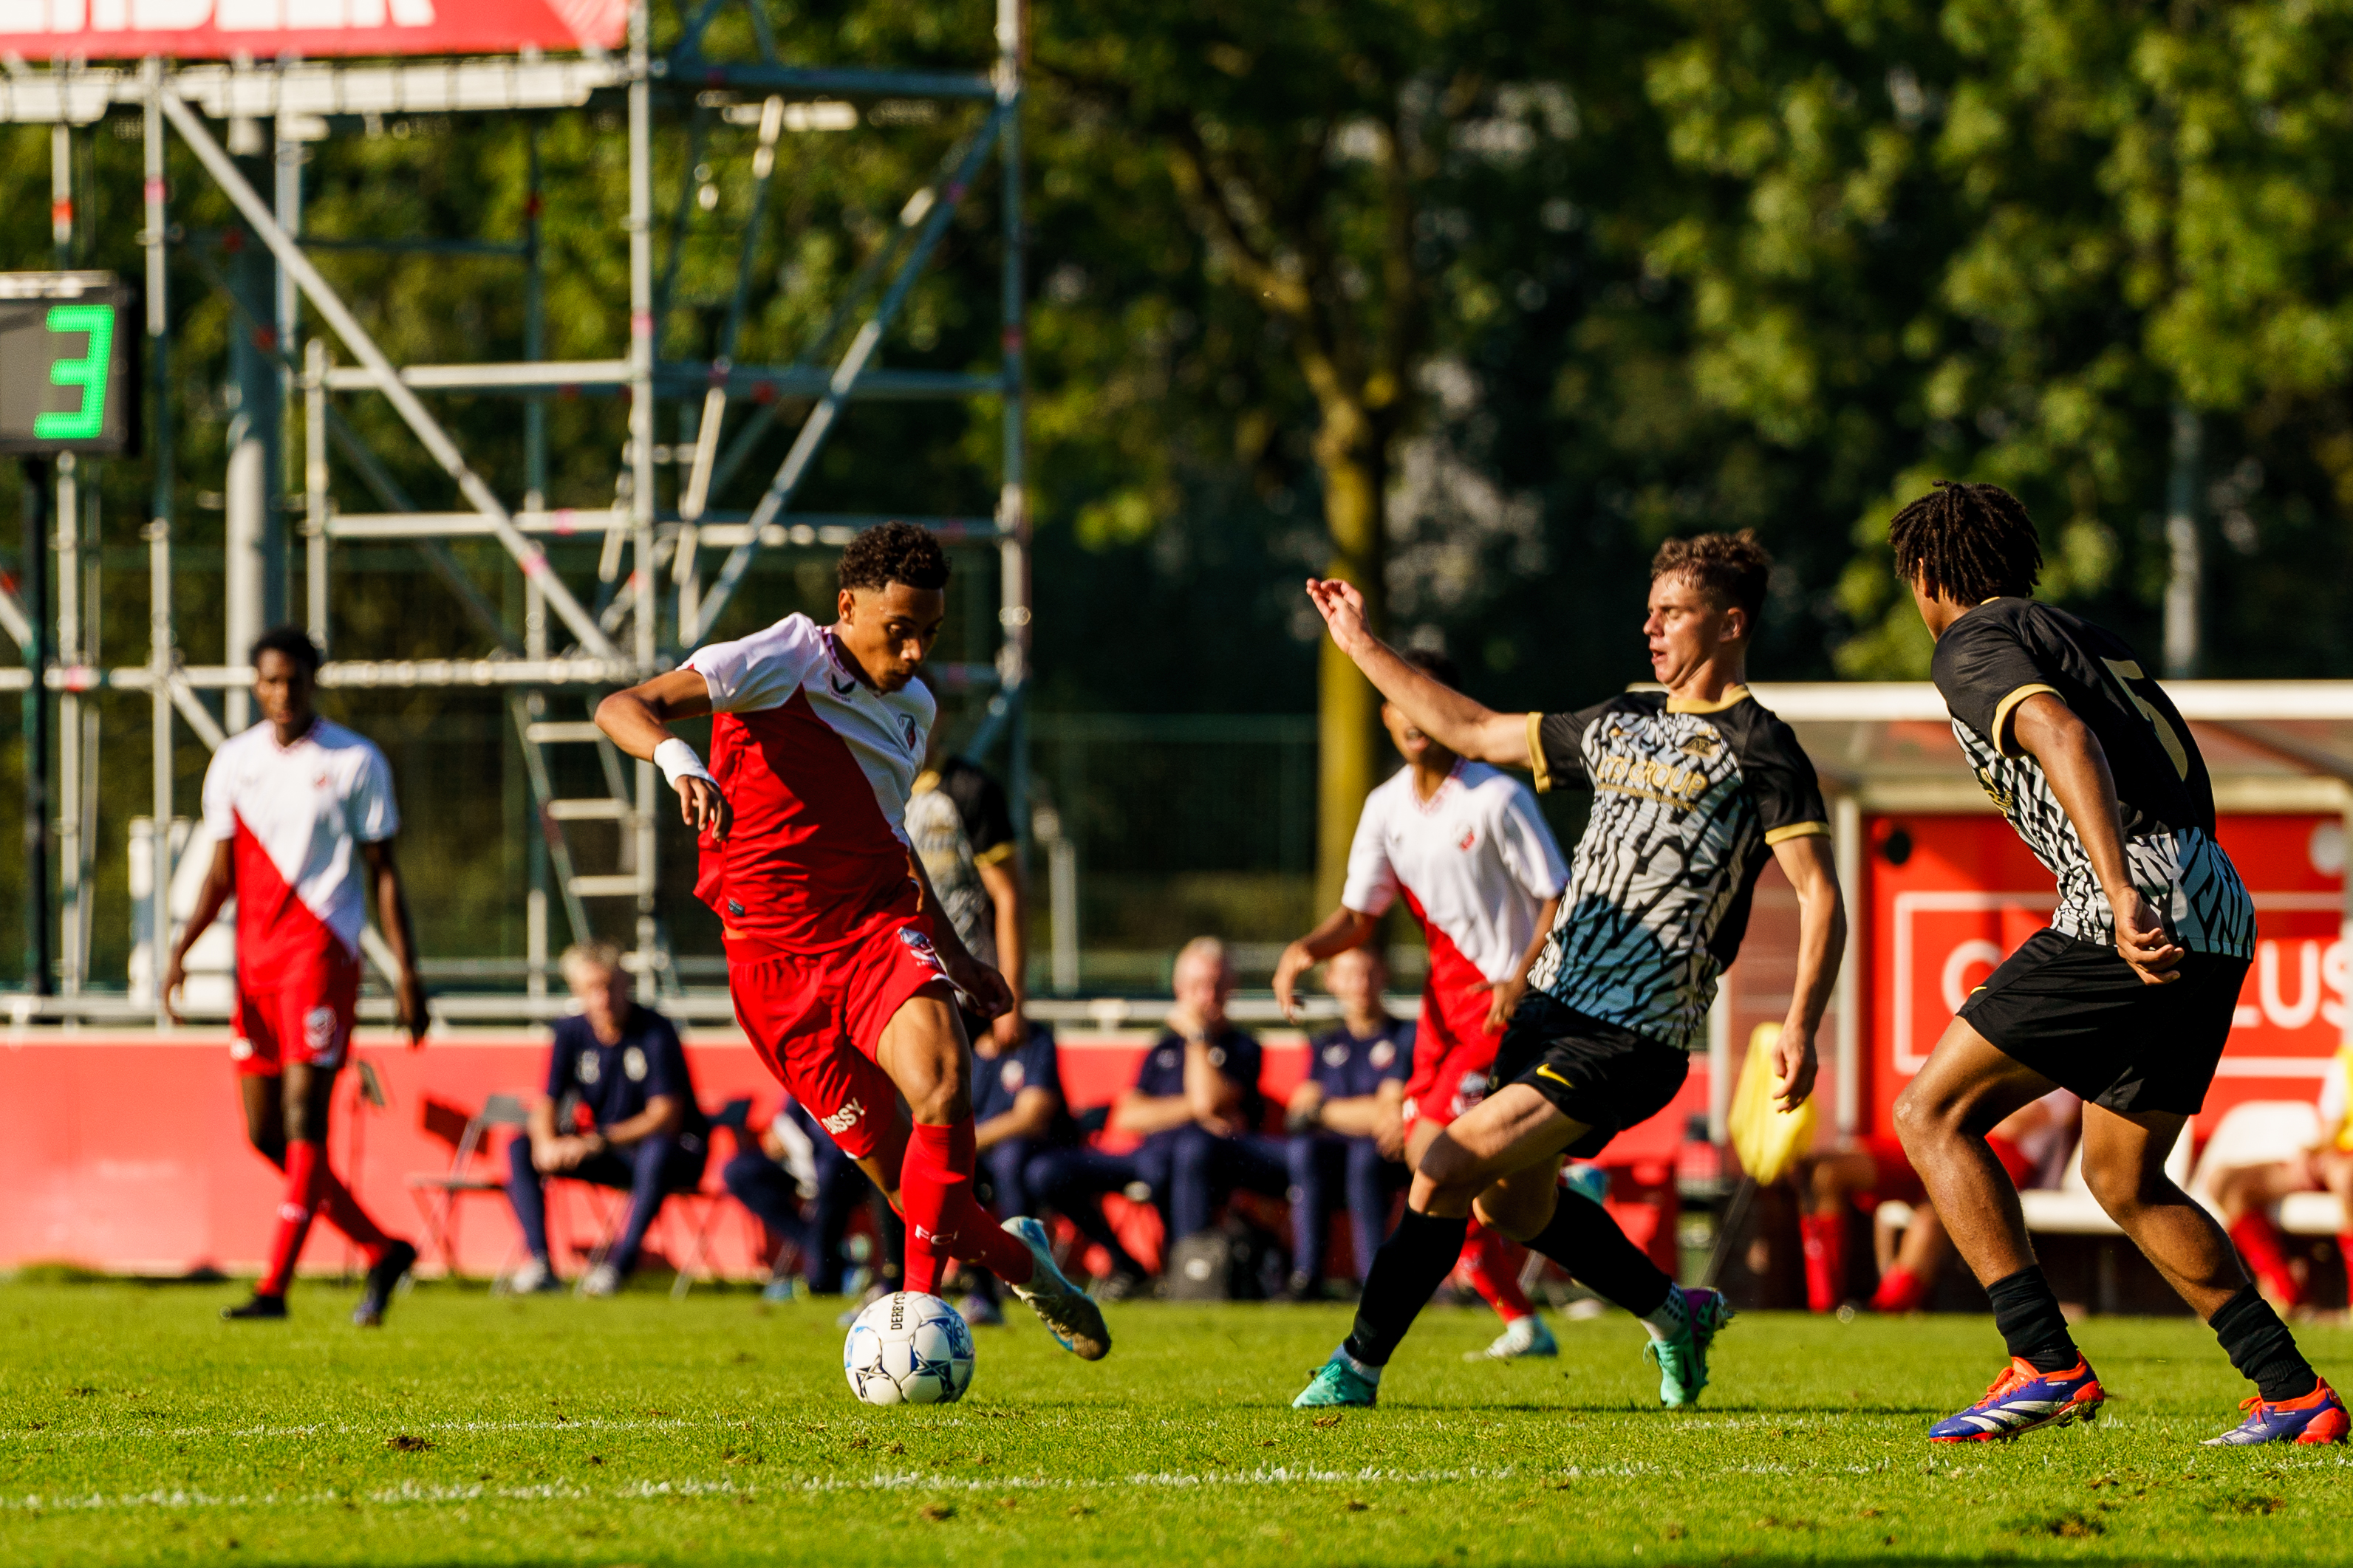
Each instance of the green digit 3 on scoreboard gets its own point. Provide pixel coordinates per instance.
(68, 364)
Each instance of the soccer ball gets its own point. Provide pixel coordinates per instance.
(908, 1348)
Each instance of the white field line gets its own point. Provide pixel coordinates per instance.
(321, 1429)
(411, 1492)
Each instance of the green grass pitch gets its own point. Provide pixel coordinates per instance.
(135, 1427)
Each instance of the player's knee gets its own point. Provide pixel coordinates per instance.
(1919, 1116)
(1450, 1174)
(2123, 1183)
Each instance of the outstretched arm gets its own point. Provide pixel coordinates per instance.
(1446, 716)
(1812, 870)
(639, 722)
(1342, 929)
(2049, 730)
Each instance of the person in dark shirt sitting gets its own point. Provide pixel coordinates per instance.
(1020, 1113)
(1345, 1121)
(624, 1066)
(1196, 1104)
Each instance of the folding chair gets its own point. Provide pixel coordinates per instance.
(699, 1209)
(437, 1194)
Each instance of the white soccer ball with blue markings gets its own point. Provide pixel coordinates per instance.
(908, 1348)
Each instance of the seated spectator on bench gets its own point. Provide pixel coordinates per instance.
(2032, 1145)
(2246, 1194)
(1019, 1113)
(624, 1066)
(1346, 1133)
(1196, 1106)
(797, 1164)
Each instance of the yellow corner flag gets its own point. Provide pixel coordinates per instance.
(1768, 1138)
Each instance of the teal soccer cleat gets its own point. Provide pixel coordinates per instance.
(1337, 1384)
(1682, 1359)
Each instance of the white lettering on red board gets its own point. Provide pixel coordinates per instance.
(221, 16)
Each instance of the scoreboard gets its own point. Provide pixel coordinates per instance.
(68, 364)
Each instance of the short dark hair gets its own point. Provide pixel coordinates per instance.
(294, 642)
(1732, 567)
(1436, 665)
(892, 553)
(1968, 544)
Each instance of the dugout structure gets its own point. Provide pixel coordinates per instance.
(670, 563)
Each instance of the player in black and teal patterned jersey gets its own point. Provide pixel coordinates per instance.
(2126, 999)
(1694, 789)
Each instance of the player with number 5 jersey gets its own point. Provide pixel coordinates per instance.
(2126, 998)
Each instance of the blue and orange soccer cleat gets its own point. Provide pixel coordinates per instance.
(2022, 1399)
(2318, 1417)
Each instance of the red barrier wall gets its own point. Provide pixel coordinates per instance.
(1968, 893)
(127, 1153)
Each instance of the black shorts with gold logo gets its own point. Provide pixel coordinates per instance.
(1604, 1076)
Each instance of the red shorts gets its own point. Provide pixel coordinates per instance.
(1452, 1054)
(307, 1019)
(817, 1017)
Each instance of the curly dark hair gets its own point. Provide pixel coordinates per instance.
(1968, 544)
(294, 642)
(892, 553)
(1732, 567)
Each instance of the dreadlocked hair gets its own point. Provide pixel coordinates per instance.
(1968, 544)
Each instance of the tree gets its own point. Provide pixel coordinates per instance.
(1312, 148)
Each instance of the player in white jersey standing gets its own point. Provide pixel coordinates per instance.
(1467, 848)
(301, 816)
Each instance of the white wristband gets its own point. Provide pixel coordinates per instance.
(677, 760)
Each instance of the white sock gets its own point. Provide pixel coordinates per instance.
(1672, 1317)
(1363, 1369)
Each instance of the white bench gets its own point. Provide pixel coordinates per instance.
(2260, 1132)
(2070, 1209)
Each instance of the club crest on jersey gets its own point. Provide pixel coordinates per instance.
(1013, 1077)
(588, 1071)
(1700, 745)
(1336, 1055)
(920, 946)
(633, 1063)
(1470, 837)
(1383, 1054)
(843, 1120)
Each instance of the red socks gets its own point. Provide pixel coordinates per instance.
(303, 1168)
(2258, 1242)
(343, 1211)
(1825, 1246)
(942, 1219)
(1900, 1290)
(1490, 1262)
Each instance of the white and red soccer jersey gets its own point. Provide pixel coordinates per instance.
(294, 817)
(817, 765)
(1474, 862)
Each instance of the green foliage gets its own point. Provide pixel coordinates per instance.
(471, 1429)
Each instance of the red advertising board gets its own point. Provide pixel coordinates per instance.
(271, 30)
(1951, 897)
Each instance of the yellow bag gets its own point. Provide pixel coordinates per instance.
(1768, 1138)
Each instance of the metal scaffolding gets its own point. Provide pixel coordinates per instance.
(626, 624)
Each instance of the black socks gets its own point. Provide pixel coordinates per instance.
(1407, 1271)
(2262, 1350)
(1582, 1238)
(2027, 1313)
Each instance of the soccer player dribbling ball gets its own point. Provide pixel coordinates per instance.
(2126, 999)
(302, 815)
(1694, 788)
(1468, 850)
(842, 976)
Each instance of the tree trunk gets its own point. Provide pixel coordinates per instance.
(1353, 459)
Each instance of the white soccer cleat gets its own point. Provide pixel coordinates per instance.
(602, 1281)
(1074, 1320)
(1522, 1337)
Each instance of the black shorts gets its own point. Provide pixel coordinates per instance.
(2080, 1015)
(1608, 1078)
